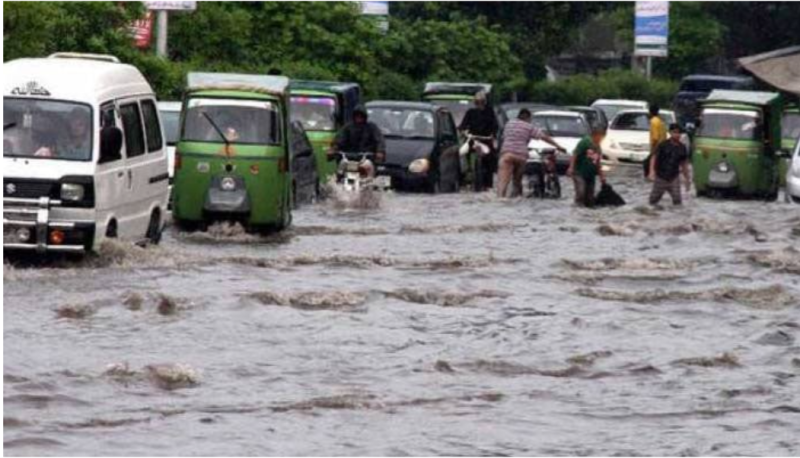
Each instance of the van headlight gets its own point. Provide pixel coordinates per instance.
(419, 166)
(72, 192)
(228, 184)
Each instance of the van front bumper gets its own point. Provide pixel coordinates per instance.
(28, 226)
(793, 187)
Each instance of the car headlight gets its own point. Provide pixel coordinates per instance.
(419, 166)
(723, 167)
(72, 192)
(228, 184)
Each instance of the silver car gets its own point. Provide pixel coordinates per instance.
(793, 176)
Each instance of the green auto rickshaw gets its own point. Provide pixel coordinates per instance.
(790, 131)
(324, 108)
(737, 148)
(233, 158)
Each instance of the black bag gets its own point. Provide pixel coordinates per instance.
(607, 197)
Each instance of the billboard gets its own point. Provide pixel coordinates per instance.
(171, 5)
(142, 31)
(378, 10)
(651, 29)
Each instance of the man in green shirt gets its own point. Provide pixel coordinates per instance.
(584, 167)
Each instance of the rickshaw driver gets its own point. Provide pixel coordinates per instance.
(359, 136)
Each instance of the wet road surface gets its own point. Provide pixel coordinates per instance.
(450, 324)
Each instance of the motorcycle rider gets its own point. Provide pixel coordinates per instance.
(359, 136)
(481, 121)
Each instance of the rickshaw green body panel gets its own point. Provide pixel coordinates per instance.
(755, 162)
(347, 96)
(264, 168)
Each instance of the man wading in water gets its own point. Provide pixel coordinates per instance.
(585, 167)
(669, 161)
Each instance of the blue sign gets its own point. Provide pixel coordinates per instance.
(651, 26)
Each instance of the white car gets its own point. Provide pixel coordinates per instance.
(171, 119)
(612, 106)
(793, 176)
(84, 157)
(567, 128)
(628, 135)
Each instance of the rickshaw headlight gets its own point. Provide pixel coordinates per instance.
(419, 166)
(723, 167)
(72, 192)
(228, 184)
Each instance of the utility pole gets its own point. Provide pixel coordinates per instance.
(161, 41)
(649, 67)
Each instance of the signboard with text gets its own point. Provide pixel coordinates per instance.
(171, 6)
(142, 31)
(651, 29)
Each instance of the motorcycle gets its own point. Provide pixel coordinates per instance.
(474, 154)
(545, 184)
(356, 172)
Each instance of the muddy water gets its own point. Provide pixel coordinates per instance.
(453, 324)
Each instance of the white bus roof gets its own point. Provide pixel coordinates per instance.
(74, 79)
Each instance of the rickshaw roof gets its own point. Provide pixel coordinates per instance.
(744, 97)
(265, 84)
(456, 88)
(399, 104)
(324, 86)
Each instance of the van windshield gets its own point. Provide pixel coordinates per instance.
(733, 125)
(458, 108)
(254, 122)
(171, 120)
(315, 113)
(47, 129)
(790, 125)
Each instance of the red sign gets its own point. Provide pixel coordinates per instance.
(142, 31)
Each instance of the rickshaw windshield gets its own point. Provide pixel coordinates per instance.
(315, 113)
(171, 121)
(47, 129)
(631, 121)
(730, 124)
(458, 108)
(254, 122)
(790, 125)
(562, 126)
(404, 123)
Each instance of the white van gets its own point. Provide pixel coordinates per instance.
(84, 157)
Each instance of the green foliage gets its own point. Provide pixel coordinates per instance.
(613, 84)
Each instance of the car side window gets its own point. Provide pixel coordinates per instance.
(448, 129)
(155, 140)
(132, 123)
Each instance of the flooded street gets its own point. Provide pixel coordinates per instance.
(449, 324)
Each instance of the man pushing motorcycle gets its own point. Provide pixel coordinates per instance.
(481, 123)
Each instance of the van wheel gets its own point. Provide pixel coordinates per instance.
(111, 229)
(154, 228)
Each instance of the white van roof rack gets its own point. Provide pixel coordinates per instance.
(79, 55)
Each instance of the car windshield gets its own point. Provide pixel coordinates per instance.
(730, 125)
(171, 120)
(631, 121)
(611, 110)
(403, 122)
(562, 126)
(458, 108)
(47, 129)
(790, 125)
(254, 122)
(315, 113)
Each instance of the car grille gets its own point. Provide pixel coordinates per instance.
(29, 189)
(634, 146)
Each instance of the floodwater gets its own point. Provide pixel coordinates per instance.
(421, 325)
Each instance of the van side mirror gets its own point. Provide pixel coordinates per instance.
(110, 144)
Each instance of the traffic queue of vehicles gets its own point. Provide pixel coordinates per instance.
(89, 154)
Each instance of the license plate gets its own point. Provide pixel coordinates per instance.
(383, 181)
